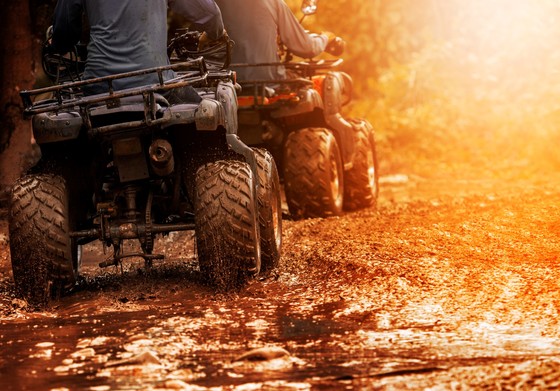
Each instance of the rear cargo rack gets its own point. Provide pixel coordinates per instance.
(67, 96)
(304, 69)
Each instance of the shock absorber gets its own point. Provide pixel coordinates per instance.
(130, 199)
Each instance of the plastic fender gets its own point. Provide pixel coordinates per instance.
(248, 153)
(209, 115)
(332, 91)
(227, 96)
(51, 127)
(345, 132)
(347, 89)
(184, 113)
(337, 91)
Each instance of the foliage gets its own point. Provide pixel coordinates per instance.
(451, 82)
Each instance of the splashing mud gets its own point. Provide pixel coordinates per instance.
(449, 287)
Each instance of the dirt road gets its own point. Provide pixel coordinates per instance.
(448, 285)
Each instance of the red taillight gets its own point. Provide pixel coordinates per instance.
(318, 82)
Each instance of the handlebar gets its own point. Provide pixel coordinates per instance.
(336, 47)
(304, 69)
(185, 46)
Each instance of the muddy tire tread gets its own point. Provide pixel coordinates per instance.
(226, 223)
(358, 193)
(39, 236)
(268, 192)
(306, 173)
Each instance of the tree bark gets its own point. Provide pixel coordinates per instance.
(16, 74)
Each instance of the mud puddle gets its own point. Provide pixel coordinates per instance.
(457, 293)
(190, 339)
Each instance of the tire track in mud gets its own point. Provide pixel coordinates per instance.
(438, 291)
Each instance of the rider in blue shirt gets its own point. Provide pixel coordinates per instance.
(128, 35)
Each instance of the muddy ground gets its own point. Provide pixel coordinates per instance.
(449, 284)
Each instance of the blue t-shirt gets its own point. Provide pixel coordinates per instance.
(127, 35)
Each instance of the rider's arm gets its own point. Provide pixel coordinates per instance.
(67, 25)
(294, 36)
(204, 13)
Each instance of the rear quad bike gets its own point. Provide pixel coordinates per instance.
(327, 163)
(127, 165)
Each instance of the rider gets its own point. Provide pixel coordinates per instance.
(129, 35)
(255, 30)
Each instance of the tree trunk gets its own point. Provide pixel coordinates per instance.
(16, 74)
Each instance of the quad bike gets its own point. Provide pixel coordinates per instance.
(327, 163)
(128, 165)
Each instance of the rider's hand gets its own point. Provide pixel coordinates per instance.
(335, 46)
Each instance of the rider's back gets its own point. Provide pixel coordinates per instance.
(125, 36)
(254, 25)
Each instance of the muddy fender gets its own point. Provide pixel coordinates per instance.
(337, 92)
(53, 127)
(209, 115)
(227, 96)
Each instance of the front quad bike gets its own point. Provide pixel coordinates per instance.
(327, 163)
(184, 47)
(127, 165)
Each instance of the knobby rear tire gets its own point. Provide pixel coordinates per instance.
(270, 210)
(226, 224)
(44, 257)
(313, 173)
(361, 182)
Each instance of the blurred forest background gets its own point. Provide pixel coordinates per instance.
(453, 87)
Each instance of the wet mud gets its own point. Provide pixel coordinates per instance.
(447, 285)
